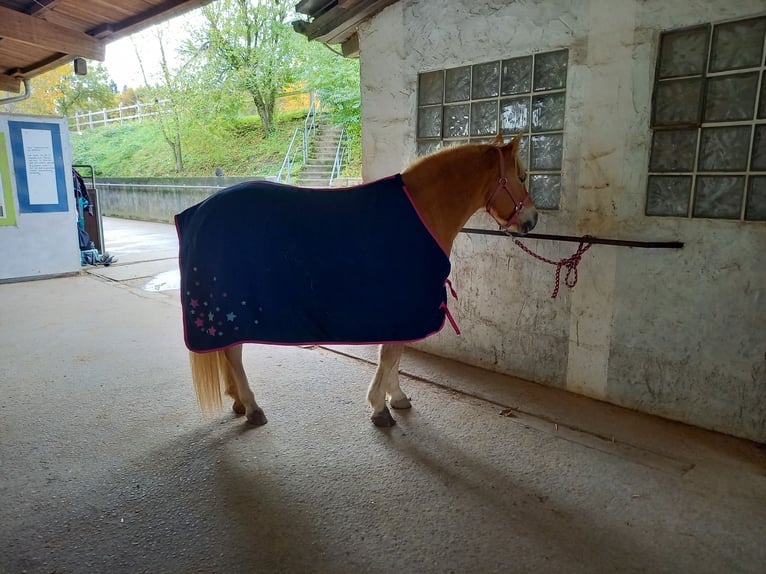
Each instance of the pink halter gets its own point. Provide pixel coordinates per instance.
(502, 184)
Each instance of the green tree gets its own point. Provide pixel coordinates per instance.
(335, 79)
(252, 45)
(62, 92)
(88, 93)
(169, 91)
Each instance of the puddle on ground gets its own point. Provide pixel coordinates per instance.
(167, 281)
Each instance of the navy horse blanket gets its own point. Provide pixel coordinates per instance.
(270, 263)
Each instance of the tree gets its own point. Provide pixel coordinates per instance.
(168, 90)
(252, 44)
(335, 79)
(62, 92)
(91, 92)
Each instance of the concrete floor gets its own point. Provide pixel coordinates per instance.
(107, 465)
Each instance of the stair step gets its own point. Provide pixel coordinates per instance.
(317, 169)
(314, 182)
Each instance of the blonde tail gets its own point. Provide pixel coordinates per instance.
(210, 372)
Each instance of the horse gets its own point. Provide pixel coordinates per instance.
(438, 192)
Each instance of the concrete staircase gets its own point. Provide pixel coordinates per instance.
(318, 168)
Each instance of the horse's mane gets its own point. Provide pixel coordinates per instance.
(451, 153)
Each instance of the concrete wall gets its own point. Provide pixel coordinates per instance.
(160, 198)
(681, 334)
(157, 198)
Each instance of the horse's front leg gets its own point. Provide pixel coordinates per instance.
(244, 399)
(386, 382)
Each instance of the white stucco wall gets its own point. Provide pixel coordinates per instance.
(678, 333)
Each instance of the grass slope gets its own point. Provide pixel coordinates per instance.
(138, 149)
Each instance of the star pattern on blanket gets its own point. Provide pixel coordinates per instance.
(213, 321)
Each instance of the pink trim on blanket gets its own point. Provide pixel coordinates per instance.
(318, 343)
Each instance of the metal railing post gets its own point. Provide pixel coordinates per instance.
(340, 153)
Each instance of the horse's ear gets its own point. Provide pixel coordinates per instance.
(498, 140)
(514, 143)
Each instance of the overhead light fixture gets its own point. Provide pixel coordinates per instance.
(80, 66)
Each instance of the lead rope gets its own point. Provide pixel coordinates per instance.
(571, 263)
(447, 312)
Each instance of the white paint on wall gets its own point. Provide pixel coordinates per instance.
(40, 244)
(681, 334)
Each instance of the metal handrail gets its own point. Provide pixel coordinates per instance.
(289, 161)
(309, 126)
(340, 153)
(307, 133)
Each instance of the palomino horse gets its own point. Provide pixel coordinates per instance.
(434, 197)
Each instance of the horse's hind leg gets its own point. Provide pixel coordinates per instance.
(386, 381)
(396, 397)
(244, 399)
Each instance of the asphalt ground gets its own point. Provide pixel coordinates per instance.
(107, 465)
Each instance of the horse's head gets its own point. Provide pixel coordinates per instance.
(510, 203)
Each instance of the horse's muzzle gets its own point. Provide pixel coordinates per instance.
(529, 224)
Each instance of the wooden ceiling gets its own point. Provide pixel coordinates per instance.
(39, 35)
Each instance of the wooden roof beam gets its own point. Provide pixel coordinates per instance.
(41, 6)
(38, 32)
(153, 15)
(9, 83)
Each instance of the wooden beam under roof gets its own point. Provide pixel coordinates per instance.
(9, 83)
(38, 32)
(154, 15)
(41, 6)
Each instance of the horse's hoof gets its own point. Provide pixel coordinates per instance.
(383, 419)
(403, 403)
(238, 408)
(257, 418)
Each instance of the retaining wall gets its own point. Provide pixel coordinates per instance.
(160, 198)
(157, 198)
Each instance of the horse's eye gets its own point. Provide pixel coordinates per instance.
(522, 177)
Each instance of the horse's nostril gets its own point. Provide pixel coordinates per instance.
(527, 226)
(530, 225)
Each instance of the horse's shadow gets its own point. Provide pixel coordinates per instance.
(505, 501)
(415, 489)
(225, 496)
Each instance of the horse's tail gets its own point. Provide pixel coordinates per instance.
(210, 373)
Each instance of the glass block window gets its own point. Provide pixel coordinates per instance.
(708, 155)
(525, 95)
